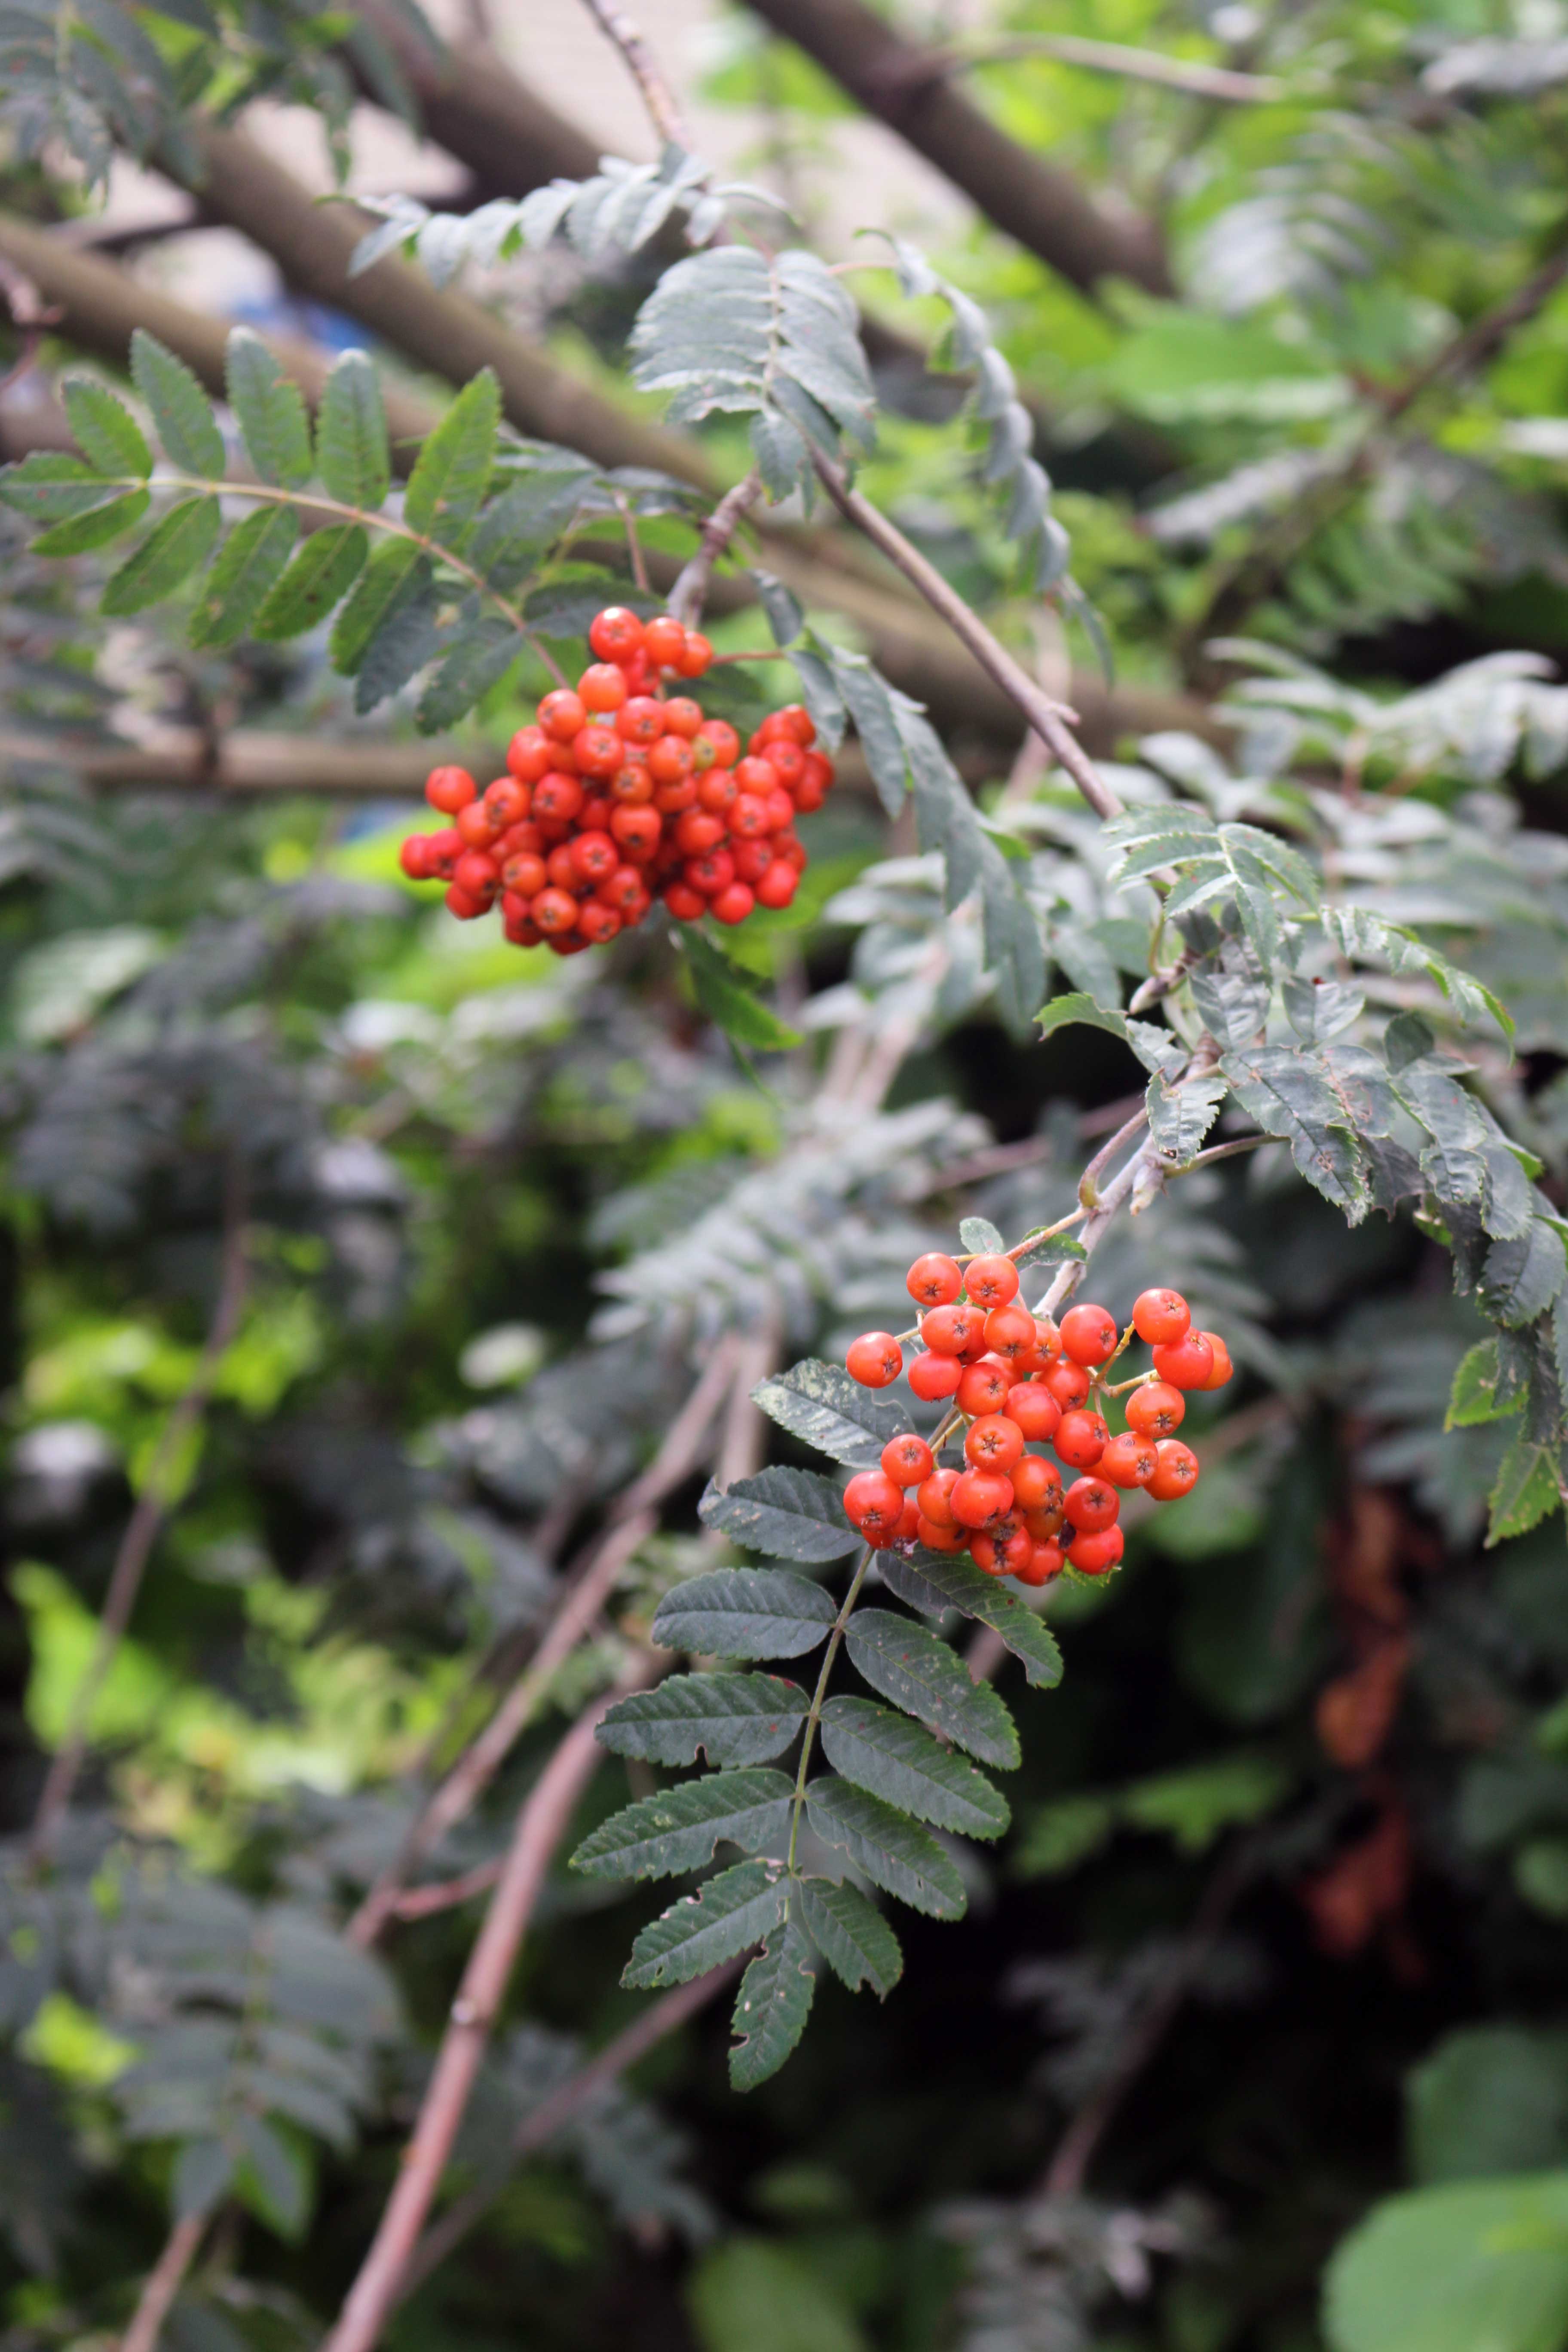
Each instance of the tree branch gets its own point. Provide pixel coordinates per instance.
(690, 592)
(659, 100)
(163, 2284)
(1185, 74)
(1043, 207)
(543, 1821)
(540, 2125)
(141, 1528)
(1052, 721)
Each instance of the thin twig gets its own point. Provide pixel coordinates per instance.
(634, 544)
(163, 2284)
(663, 108)
(1185, 74)
(589, 1586)
(541, 2123)
(141, 1528)
(686, 598)
(1225, 1150)
(446, 1893)
(542, 1822)
(1052, 721)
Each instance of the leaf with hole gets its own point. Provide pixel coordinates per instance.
(676, 1831)
(821, 1404)
(730, 1718)
(726, 1916)
(771, 2007)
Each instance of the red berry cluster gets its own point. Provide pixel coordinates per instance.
(623, 794)
(1017, 1379)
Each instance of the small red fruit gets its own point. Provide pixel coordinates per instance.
(1176, 1473)
(1161, 1317)
(1045, 1561)
(1129, 1460)
(951, 1330)
(1031, 1404)
(664, 641)
(684, 903)
(554, 911)
(1223, 1367)
(414, 858)
(1037, 1484)
(934, 1377)
(1069, 1383)
(464, 907)
(1010, 1332)
(449, 789)
(640, 721)
(933, 1280)
(1187, 1364)
(874, 1505)
(603, 687)
(528, 755)
(599, 924)
(778, 884)
(1089, 1335)
(733, 905)
(695, 654)
(1090, 1504)
(937, 1539)
(561, 714)
(934, 1496)
(980, 1498)
(1098, 1555)
(615, 634)
(1156, 1409)
(1081, 1440)
(985, 1386)
(992, 1443)
(874, 1359)
(991, 1280)
(557, 797)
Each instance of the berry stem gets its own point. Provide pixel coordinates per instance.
(1047, 1232)
(814, 1716)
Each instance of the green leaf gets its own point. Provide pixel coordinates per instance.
(1456, 2270)
(820, 1403)
(448, 485)
(172, 550)
(756, 2294)
(1195, 1803)
(745, 1613)
(1288, 1095)
(104, 429)
(1521, 1279)
(386, 575)
(893, 1852)
(478, 659)
(678, 1830)
(1526, 1492)
(897, 1759)
(271, 411)
(923, 1675)
(727, 1001)
(851, 1935)
(870, 706)
(771, 2007)
(246, 570)
(730, 1718)
(273, 2177)
(180, 410)
(789, 1513)
(725, 1916)
(935, 1581)
(47, 487)
(96, 527)
(1055, 1838)
(1475, 1397)
(1180, 1117)
(979, 1236)
(1490, 2100)
(325, 569)
(204, 2172)
(351, 454)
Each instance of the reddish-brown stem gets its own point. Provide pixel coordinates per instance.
(163, 2284)
(588, 1590)
(691, 589)
(663, 111)
(545, 1817)
(141, 1528)
(540, 2127)
(1051, 721)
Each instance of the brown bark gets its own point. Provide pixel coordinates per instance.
(1038, 204)
(474, 105)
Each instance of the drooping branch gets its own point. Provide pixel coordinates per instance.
(163, 2284)
(542, 1823)
(141, 1528)
(1039, 205)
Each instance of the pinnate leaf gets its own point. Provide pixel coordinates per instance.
(104, 429)
(730, 1718)
(271, 411)
(745, 1613)
(371, 605)
(923, 1675)
(897, 1760)
(95, 527)
(325, 569)
(851, 1935)
(727, 1913)
(247, 568)
(351, 454)
(789, 1513)
(728, 1001)
(447, 484)
(933, 1582)
(1475, 1397)
(476, 660)
(181, 409)
(1527, 1489)
(893, 1852)
(771, 2007)
(678, 1829)
(171, 551)
(821, 1404)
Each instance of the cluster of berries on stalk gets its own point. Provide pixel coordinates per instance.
(623, 794)
(1017, 1380)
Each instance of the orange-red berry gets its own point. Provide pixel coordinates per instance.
(874, 1359)
(1161, 1317)
(1187, 1364)
(1089, 1335)
(1177, 1471)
